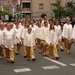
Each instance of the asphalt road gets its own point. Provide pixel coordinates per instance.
(42, 66)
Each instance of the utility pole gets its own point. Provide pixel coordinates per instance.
(1, 4)
(21, 10)
(73, 7)
(58, 2)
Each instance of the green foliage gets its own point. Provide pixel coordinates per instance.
(68, 12)
(6, 13)
(63, 11)
(42, 15)
(60, 10)
(70, 4)
(58, 2)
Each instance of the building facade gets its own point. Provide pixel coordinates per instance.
(34, 8)
(31, 8)
(6, 5)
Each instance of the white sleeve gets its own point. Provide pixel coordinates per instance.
(3, 38)
(23, 33)
(73, 35)
(48, 39)
(63, 33)
(60, 33)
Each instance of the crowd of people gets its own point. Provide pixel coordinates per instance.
(47, 35)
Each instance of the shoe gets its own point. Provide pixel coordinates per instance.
(8, 61)
(24, 56)
(57, 58)
(46, 55)
(16, 53)
(34, 59)
(62, 50)
(12, 62)
(28, 59)
(68, 52)
(51, 57)
(40, 52)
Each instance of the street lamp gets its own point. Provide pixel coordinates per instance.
(52, 15)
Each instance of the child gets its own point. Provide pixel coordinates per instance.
(30, 43)
(38, 36)
(45, 32)
(59, 34)
(1, 39)
(26, 26)
(17, 30)
(53, 42)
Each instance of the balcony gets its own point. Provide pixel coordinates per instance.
(26, 10)
(26, 1)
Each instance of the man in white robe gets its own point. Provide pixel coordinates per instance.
(9, 36)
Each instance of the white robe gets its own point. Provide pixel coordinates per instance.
(24, 33)
(73, 36)
(67, 31)
(42, 24)
(58, 31)
(34, 31)
(39, 32)
(9, 37)
(45, 32)
(18, 35)
(1, 37)
(52, 37)
(21, 27)
(29, 40)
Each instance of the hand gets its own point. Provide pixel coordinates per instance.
(2, 45)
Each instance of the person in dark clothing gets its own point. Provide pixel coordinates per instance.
(73, 21)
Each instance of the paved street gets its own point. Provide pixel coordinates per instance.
(42, 66)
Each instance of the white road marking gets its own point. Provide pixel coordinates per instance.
(73, 64)
(57, 62)
(50, 67)
(22, 70)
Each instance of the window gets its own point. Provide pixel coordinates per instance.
(52, 6)
(41, 6)
(7, 10)
(13, 0)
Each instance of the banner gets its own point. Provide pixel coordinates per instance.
(19, 1)
(13, 9)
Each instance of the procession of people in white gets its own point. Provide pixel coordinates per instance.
(46, 35)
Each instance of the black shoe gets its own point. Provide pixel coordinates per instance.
(16, 53)
(34, 59)
(24, 56)
(62, 50)
(12, 62)
(57, 58)
(28, 59)
(46, 55)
